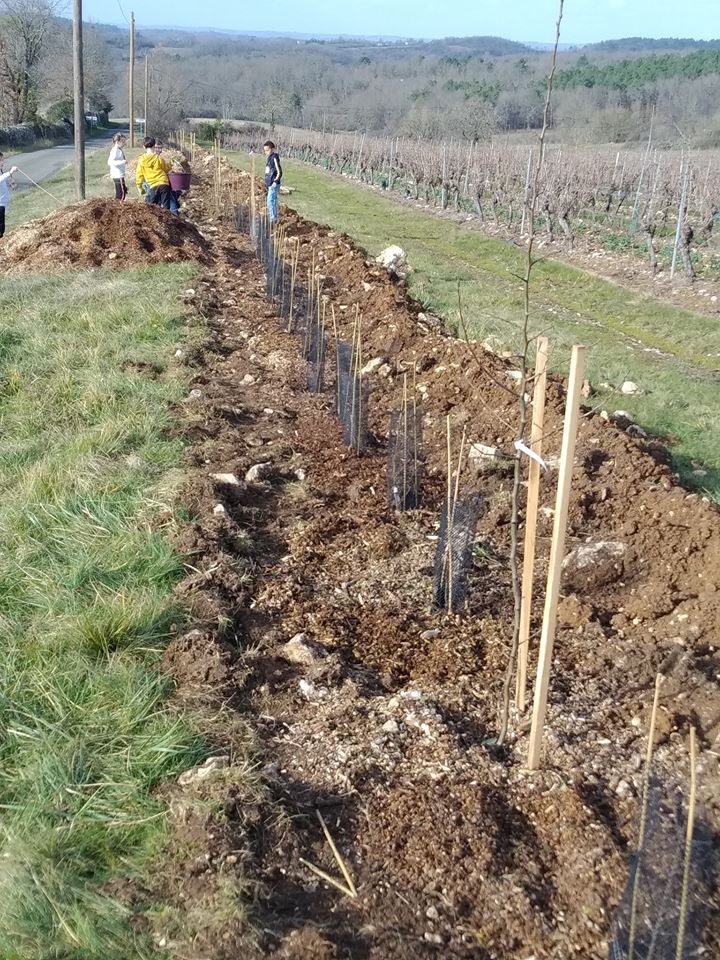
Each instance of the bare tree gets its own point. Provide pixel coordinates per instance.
(24, 38)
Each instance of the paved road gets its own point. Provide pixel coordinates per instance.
(41, 164)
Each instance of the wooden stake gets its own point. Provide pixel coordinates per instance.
(645, 799)
(533, 497)
(552, 594)
(682, 920)
(448, 523)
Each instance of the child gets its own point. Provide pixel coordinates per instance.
(152, 173)
(273, 176)
(116, 162)
(4, 192)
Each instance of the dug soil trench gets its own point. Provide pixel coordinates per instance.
(382, 714)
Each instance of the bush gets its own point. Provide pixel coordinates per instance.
(208, 132)
(61, 108)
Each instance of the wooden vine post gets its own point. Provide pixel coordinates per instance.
(533, 497)
(552, 593)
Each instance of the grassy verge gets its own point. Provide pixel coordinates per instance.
(87, 473)
(672, 354)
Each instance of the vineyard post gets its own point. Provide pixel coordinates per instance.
(359, 158)
(467, 169)
(443, 186)
(527, 191)
(531, 511)
(552, 593)
(681, 216)
(633, 215)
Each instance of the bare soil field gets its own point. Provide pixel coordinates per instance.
(382, 714)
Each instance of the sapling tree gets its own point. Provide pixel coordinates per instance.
(527, 339)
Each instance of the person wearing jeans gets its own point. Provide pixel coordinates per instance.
(273, 177)
(152, 177)
(4, 193)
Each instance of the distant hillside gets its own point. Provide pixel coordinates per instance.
(632, 73)
(642, 44)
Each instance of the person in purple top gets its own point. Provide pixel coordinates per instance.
(273, 176)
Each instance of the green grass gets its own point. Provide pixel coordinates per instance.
(87, 465)
(672, 354)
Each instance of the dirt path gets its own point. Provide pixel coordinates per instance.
(382, 714)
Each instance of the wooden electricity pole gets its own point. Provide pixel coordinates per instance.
(131, 81)
(79, 99)
(145, 114)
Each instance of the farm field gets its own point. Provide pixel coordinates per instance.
(293, 611)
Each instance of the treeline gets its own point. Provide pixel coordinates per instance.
(639, 71)
(637, 44)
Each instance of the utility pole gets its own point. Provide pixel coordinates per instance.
(145, 114)
(79, 99)
(131, 81)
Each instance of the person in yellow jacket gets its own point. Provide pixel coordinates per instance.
(152, 178)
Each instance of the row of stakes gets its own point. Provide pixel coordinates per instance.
(304, 310)
(646, 926)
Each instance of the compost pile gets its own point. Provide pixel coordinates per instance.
(102, 232)
(314, 622)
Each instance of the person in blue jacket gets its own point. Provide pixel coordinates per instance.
(273, 176)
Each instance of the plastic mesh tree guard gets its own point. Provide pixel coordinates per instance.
(316, 363)
(354, 395)
(405, 458)
(454, 550)
(647, 921)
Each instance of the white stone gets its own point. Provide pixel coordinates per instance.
(482, 451)
(219, 510)
(629, 387)
(391, 726)
(588, 554)
(372, 366)
(205, 770)
(302, 650)
(228, 478)
(247, 380)
(393, 258)
(258, 473)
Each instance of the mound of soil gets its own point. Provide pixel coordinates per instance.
(102, 232)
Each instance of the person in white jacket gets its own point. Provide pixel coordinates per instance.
(4, 192)
(116, 162)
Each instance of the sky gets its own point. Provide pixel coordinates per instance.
(584, 21)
